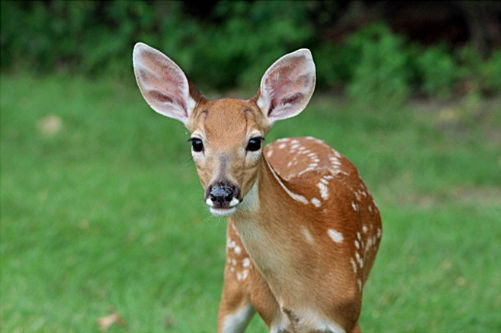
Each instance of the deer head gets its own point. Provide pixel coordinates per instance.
(226, 134)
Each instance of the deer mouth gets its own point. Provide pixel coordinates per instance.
(222, 208)
(222, 212)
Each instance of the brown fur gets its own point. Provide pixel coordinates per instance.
(304, 230)
(286, 263)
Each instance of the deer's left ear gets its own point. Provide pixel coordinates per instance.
(287, 86)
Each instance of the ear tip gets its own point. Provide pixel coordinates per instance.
(139, 46)
(304, 52)
(307, 55)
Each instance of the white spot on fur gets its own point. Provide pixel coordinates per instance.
(284, 140)
(282, 146)
(316, 202)
(336, 236)
(353, 265)
(324, 191)
(269, 153)
(238, 250)
(359, 259)
(336, 153)
(304, 151)
(311, 167)
(246, 262)
(357, 244)
(308, 236)
(369, 244)
(335, 161)
(354, 205)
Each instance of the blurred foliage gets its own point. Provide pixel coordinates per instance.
(381, 75)
(437, 71)
(231, 44)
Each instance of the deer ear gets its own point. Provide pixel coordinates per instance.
(163, 84)
(287, 85)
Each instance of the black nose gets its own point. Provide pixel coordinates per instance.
(221, 195)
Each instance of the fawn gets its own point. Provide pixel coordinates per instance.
(303, 229)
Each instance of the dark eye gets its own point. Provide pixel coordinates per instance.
(254, 144)
(196, 144)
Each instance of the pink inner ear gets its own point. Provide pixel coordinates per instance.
(292, 98)
(163, 88)
(285, 83)
(163, 84)
(166, 84)
(162, 97)
(172, 83)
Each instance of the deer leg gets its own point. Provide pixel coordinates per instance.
(356, 329)
(235, 310)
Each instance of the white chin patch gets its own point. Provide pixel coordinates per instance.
(222, 212)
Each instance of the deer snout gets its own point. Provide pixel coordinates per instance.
(221, 194)
(222, 199)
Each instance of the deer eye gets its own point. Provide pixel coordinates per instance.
(196, 144)
(254, 144)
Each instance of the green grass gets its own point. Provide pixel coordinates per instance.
(105, 211)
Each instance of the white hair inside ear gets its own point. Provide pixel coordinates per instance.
(287, 86)
(162, 83)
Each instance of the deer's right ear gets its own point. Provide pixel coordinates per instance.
(287, 86)
(163, 84)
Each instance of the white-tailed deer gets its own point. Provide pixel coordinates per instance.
(303, 230)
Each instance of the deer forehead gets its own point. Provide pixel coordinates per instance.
(227, 123)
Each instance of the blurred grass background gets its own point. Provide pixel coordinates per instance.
(101, 210)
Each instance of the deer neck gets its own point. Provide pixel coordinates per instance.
(268, 225)
(268, 201)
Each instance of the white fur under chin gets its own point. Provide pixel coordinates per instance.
(225, 212)
(250, 204)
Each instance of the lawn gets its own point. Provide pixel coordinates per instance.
(102, 212)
